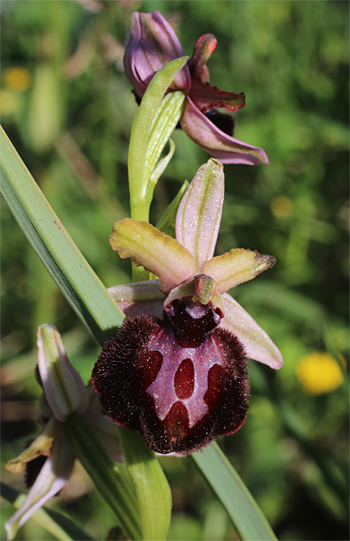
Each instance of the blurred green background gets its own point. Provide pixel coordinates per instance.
(68, 109)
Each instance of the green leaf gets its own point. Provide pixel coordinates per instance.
(152, 488)
(106, 476)
(77, 281)
(156, 116)
(247, 518)
(55, 523)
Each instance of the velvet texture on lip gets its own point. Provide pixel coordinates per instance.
(150, 44)
(176, 371)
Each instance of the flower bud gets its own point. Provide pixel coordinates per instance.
(64, 389)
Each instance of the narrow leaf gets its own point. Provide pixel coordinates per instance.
(151, 486)
(246, 516)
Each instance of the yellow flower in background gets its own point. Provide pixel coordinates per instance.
(281, 206)
(9, 103)
(17, 79)
(319, 373)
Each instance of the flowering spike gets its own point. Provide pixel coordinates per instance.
(199, 214)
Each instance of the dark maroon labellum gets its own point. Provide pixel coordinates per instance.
(179, 382)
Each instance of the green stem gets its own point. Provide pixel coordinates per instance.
(152, 489)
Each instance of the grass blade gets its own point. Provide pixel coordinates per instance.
(246, 516)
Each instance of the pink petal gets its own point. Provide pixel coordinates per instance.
(236, 267)
(150, 44)
(156, 252)
(217, 143)
(257, 343)
(52, 478)
(140, 299)
(203, 95)
(202, 51)
(199, 213)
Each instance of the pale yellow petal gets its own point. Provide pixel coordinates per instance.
(236, 267)
(156, 252)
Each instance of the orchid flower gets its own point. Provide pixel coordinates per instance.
(176, 371)
(150, 44)
(48, 460)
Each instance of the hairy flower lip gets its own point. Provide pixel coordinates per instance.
(150, 44)
(187, 419)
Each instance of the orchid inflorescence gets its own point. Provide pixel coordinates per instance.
(176, 371)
